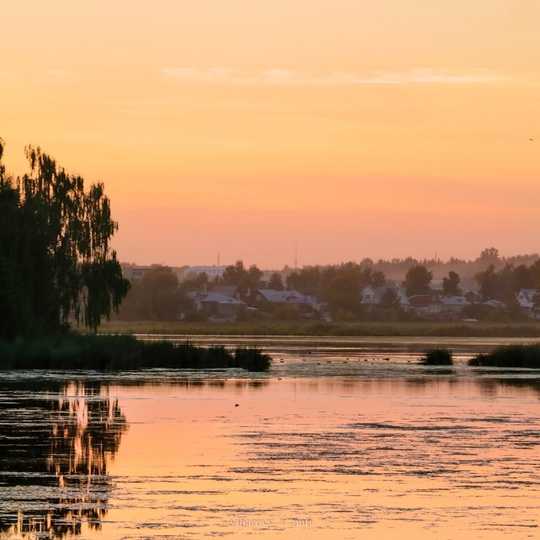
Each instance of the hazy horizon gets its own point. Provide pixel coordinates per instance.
(297, 263)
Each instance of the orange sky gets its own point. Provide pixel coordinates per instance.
(351, 128)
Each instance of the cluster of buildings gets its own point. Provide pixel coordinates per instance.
(225, 301)
(447, 307)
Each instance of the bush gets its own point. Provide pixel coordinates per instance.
(251, 359)
(437, 356)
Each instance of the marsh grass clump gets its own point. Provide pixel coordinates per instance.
(251, 359)
(510, 356)
(122, 352)
(437, 356)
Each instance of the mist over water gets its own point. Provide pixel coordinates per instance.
(338, 440)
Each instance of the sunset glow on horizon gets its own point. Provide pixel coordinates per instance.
(273, 131)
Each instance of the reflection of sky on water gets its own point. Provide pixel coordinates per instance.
(328, 444)
(55, 445)
(421, 457)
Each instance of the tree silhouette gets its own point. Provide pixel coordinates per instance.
(55, 257)
(417, 280)
(450, 284)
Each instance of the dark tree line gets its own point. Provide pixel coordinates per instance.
(340, 286)
(55, 257)
(157, 296)
(160, 296)
(394, 269)
(503, 284)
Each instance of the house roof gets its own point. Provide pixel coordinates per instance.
(227, 290)
(397, 290)
(219, 298)
(455, 301)
(286, 297)
(495, 303)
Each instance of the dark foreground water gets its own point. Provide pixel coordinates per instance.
(339, 440)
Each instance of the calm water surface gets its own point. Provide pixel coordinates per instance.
(339, 440)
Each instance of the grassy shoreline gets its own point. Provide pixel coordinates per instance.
(123, 353)
(306, 328)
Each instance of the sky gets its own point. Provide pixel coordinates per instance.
(285, 132)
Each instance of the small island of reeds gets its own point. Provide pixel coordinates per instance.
(510, 356)
(437, 356)
(123, 352)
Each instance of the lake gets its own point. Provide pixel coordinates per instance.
(343, 438)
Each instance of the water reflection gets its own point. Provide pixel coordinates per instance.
(55, 443)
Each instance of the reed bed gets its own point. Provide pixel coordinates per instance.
(510, 356)
(123, 352)
(437, 356)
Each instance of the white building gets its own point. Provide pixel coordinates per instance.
(373, 295)
(525, 299)
(212, 272)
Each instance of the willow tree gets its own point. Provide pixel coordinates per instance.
(56, 260)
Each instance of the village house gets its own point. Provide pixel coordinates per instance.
(425, 305)
(286, 298)
(133, 272)
(373, 295)
(525, 299)
(217, 304)
(454, 304)
(212, 272)
(227, 290)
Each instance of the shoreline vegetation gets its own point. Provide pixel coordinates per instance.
(123, 353)
(310, 328)
(510, 356)
(437, 356)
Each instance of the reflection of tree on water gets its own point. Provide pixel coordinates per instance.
(53, 460)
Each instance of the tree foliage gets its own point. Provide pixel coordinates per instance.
(450, 284)
(245, 279)
(275, 282)
(55, 255)
(157, 297)
(417, 280)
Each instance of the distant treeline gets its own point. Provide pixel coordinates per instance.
(160, 296)
(395, 269)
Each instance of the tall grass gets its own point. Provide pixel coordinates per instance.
(122, 352)
(515, 356)
(251, 358)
